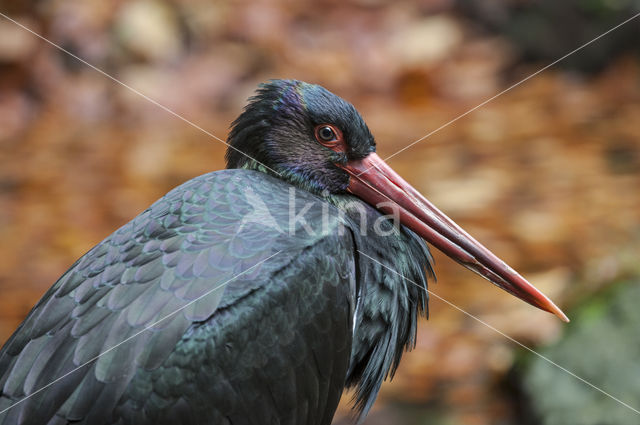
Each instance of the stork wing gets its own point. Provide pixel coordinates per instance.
(199, 267)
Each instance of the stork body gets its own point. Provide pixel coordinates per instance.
(252, 295)
(272, 344)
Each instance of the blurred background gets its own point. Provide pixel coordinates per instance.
(546, 175)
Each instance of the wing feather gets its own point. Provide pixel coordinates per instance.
(136, 296)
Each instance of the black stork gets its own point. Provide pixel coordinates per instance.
(252, 295)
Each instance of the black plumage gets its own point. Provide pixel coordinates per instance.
(273, 344)
(252, 295)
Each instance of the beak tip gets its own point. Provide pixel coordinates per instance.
(559, 313)
(563, 317)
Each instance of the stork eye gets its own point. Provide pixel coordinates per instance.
(330, 136)
(326, 134)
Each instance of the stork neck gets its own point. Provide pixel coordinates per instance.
(252, 164)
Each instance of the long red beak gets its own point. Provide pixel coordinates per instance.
(376, 183)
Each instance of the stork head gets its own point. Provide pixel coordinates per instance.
(315, 140)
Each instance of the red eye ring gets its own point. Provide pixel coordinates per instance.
(329, 135)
